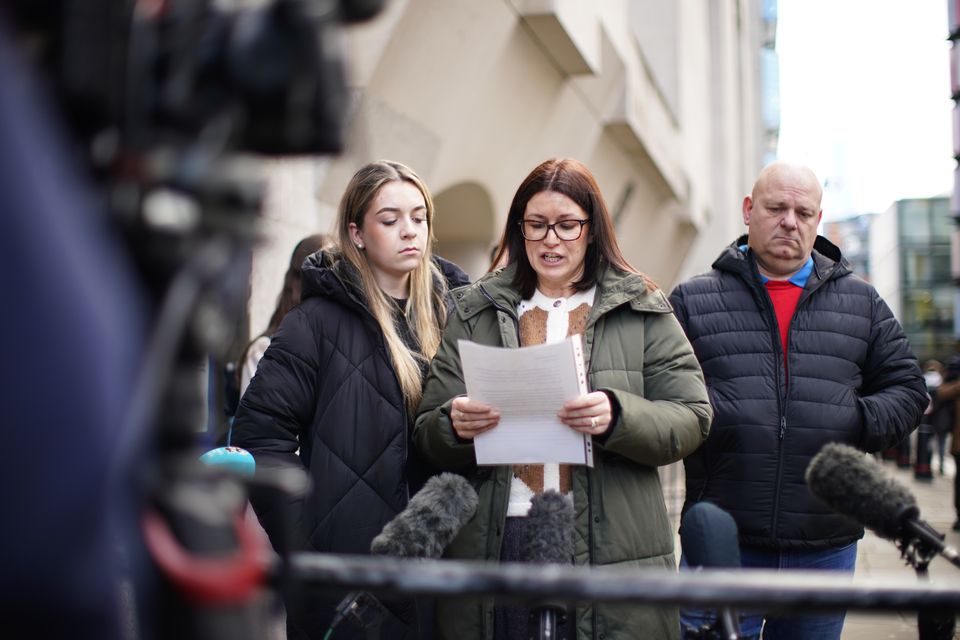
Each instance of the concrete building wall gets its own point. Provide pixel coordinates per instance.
(659, 99)
(885, 258)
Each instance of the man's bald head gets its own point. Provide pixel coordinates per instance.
(782, 214)
(788, 171)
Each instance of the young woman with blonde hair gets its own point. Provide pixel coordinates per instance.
(343, 376)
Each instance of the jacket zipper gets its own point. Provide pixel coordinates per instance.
(752, 278)
(782, 395)
(594, 618)
(486, 619)
(779, 356)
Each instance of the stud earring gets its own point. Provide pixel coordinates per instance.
(360, 246)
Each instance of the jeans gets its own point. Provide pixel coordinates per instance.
(822, 626)
(941, 439)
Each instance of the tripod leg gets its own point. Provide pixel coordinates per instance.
(935, 624)
(730, 624)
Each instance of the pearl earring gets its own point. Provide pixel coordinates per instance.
(360, 246)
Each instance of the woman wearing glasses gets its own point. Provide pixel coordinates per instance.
(647, 406)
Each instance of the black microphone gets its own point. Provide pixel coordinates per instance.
(431, 520)
(709, 538)
(548, 539)
(855, 485)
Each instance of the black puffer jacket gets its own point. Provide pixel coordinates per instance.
(852, 378)
(327, 386)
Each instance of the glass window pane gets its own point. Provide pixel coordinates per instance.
(914, 219)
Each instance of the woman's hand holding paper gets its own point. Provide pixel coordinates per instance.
(470, 418)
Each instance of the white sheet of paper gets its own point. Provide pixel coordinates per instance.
(528, 386)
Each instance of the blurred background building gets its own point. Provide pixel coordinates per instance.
(770, 83)
(953, 26)
(905, 252)
(910, 267)
(911, 251)
(852, 236)
(673, 105)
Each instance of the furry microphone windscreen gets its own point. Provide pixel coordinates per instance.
(708, 536)
(431, 520)
(855, 485)
(548, 532)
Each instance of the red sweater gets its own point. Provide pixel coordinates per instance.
(784, 295)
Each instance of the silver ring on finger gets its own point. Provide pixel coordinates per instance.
(593, 423)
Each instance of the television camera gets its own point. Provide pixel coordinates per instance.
(168, 103)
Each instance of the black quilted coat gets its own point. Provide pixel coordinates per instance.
(326, 385)
(852, 378)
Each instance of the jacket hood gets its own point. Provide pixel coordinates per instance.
(326, 273)
(828, 260)
(614, 287)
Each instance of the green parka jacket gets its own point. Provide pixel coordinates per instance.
(636, 351)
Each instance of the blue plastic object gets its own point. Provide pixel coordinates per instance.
(232, 459)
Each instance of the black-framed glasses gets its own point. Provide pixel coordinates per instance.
(567, 230)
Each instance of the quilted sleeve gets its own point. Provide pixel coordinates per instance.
(433, 433)
(277, 405)
(672, 415)
(894, 394)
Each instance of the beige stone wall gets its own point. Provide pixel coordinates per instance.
(659, 99)
(291, 212)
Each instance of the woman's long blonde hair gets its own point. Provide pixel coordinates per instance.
(425, 310)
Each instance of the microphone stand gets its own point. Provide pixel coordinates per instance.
(730, 624)
(726, 626)
(923, 542)
(545, 621)
(919, 543)
(364, 610)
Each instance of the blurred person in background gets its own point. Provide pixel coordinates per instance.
(940, 414)
(949, 394)
(289, 298)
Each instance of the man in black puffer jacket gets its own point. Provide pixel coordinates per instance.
(797, 351)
